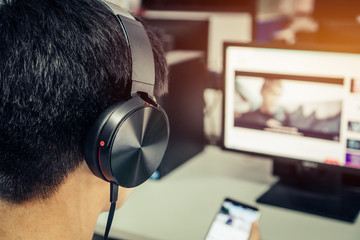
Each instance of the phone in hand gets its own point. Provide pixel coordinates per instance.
(233, 221)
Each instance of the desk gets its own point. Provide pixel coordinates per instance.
(182, 205)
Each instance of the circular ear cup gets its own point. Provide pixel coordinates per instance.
(127, 142)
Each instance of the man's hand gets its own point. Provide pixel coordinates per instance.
(254, 232)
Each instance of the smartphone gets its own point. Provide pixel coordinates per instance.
(233, 221)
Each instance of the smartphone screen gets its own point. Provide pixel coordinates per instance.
(233, 221)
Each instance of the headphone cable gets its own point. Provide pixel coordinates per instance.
(113, 198)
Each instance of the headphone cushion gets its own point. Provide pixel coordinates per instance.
(91, 146)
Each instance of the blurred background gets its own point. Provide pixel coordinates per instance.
(193, 33)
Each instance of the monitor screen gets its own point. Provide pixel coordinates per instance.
(292, 103)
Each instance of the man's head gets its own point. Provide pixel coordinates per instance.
(63, 62)
(271, 92)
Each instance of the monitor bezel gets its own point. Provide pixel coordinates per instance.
(305, 47)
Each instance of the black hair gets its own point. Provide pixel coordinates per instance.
(62, 63)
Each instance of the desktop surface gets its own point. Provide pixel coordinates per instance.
(183, 204)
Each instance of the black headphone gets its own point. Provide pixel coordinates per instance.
(126, 143)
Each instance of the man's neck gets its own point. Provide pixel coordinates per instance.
(71, 213)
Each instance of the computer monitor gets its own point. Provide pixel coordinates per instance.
(301, 108)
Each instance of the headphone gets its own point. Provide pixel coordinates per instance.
(126, 143)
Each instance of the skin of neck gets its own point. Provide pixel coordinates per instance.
(70, 213)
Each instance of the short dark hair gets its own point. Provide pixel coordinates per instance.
(62, 63)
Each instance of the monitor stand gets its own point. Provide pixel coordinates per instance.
(315, 191)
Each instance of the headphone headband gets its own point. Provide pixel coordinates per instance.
(142, 59)
(117, 10)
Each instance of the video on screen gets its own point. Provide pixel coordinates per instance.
(296, 105)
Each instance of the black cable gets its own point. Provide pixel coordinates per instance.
(109, 221)
(113, 199)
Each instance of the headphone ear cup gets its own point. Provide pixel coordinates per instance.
(139, 146)
(126, 144)
(91, 146)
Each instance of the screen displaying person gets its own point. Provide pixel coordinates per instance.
(269, 113)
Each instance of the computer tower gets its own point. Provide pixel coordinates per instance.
(184, 105)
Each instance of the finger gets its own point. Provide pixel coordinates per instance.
(254, 232)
